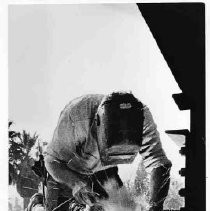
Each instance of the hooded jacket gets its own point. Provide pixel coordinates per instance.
(75, 140)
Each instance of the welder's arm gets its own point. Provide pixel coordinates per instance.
(78, 183)
(62, 174)
(155, 161)
(159, 185)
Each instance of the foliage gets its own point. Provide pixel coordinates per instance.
(20, 145)
(37, 149)
(15, 153)
(174, 201)
(20, 172)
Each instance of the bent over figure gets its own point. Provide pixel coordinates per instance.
(94, 134)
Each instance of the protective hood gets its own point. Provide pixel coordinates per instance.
(120, 125)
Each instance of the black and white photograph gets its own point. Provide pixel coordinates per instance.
(106, 107)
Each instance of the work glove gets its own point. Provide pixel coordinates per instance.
(97, 207)
(156, 208)
(84, 195)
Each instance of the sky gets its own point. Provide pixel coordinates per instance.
(59, 52)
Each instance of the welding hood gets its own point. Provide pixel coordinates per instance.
(120, 126)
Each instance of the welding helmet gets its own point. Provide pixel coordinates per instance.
(119, 128)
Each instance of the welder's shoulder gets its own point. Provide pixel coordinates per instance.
(83, 107)
(85, 99)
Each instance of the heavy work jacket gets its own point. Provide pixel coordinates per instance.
(75, 141)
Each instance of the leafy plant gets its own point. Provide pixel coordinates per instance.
(20, 172)
(15, 153)
(20, 145)
(174, 201)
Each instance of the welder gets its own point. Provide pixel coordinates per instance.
(94, 134)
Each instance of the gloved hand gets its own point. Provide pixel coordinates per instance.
(85, 195)
(156, 208)
(96, 207)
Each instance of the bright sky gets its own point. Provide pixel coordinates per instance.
(58, 52)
